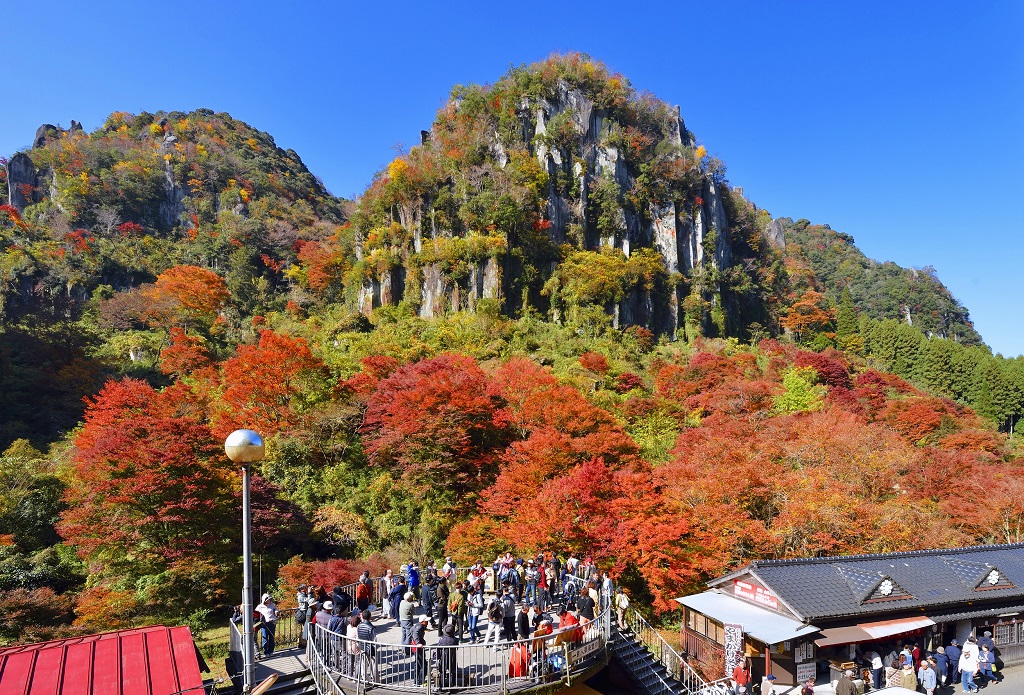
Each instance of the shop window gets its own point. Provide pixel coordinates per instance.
(1005, 634)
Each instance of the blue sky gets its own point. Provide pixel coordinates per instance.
(898, 123)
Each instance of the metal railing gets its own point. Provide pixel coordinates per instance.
(641, 631)
(562, 656)
(286, 636)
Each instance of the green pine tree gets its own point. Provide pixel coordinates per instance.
(846, 319)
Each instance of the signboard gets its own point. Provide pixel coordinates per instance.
(582, 652)
(804, 651)
(753, 593)
(805, 672)
(734, 653)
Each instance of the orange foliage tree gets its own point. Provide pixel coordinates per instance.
(185, 295)
(807, 314)
(267, 386)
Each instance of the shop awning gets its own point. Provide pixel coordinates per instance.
(868, 632)
(761, 624)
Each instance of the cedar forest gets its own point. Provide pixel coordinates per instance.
(805, 401)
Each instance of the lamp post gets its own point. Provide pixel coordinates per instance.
(245, 447)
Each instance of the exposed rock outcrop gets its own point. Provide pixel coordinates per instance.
(24, 184)
(775, 235)
(579, 145)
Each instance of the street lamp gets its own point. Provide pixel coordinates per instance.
(245, 447)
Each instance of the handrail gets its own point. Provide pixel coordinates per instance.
(675, 664)
(334, 658)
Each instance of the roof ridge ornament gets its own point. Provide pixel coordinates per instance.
(978, 575)
(871, 585)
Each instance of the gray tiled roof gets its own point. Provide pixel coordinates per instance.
(817, 588)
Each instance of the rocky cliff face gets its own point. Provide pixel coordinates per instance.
(595, 196)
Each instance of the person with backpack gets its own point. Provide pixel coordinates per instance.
(457, 605)
(443, 594)
(494, 619)
(447, 664)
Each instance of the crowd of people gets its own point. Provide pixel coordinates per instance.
(515, 599)
(972, 666)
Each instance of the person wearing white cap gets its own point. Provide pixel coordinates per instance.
(845, 686)
(268, 612)
(324, 615)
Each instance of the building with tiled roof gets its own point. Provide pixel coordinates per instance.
(800, 617)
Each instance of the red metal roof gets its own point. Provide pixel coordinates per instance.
(154, 660)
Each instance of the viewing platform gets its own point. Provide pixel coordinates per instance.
(332, 664)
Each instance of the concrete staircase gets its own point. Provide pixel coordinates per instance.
(646, 670)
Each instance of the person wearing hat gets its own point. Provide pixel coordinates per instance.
(941, 662)
(909, 678)
(969, 665)
(323, 614)
(448, 569)
(268, 623)
(447, 656)
(418, 643)
(986, 639)
(845, 686)
(953, 655)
